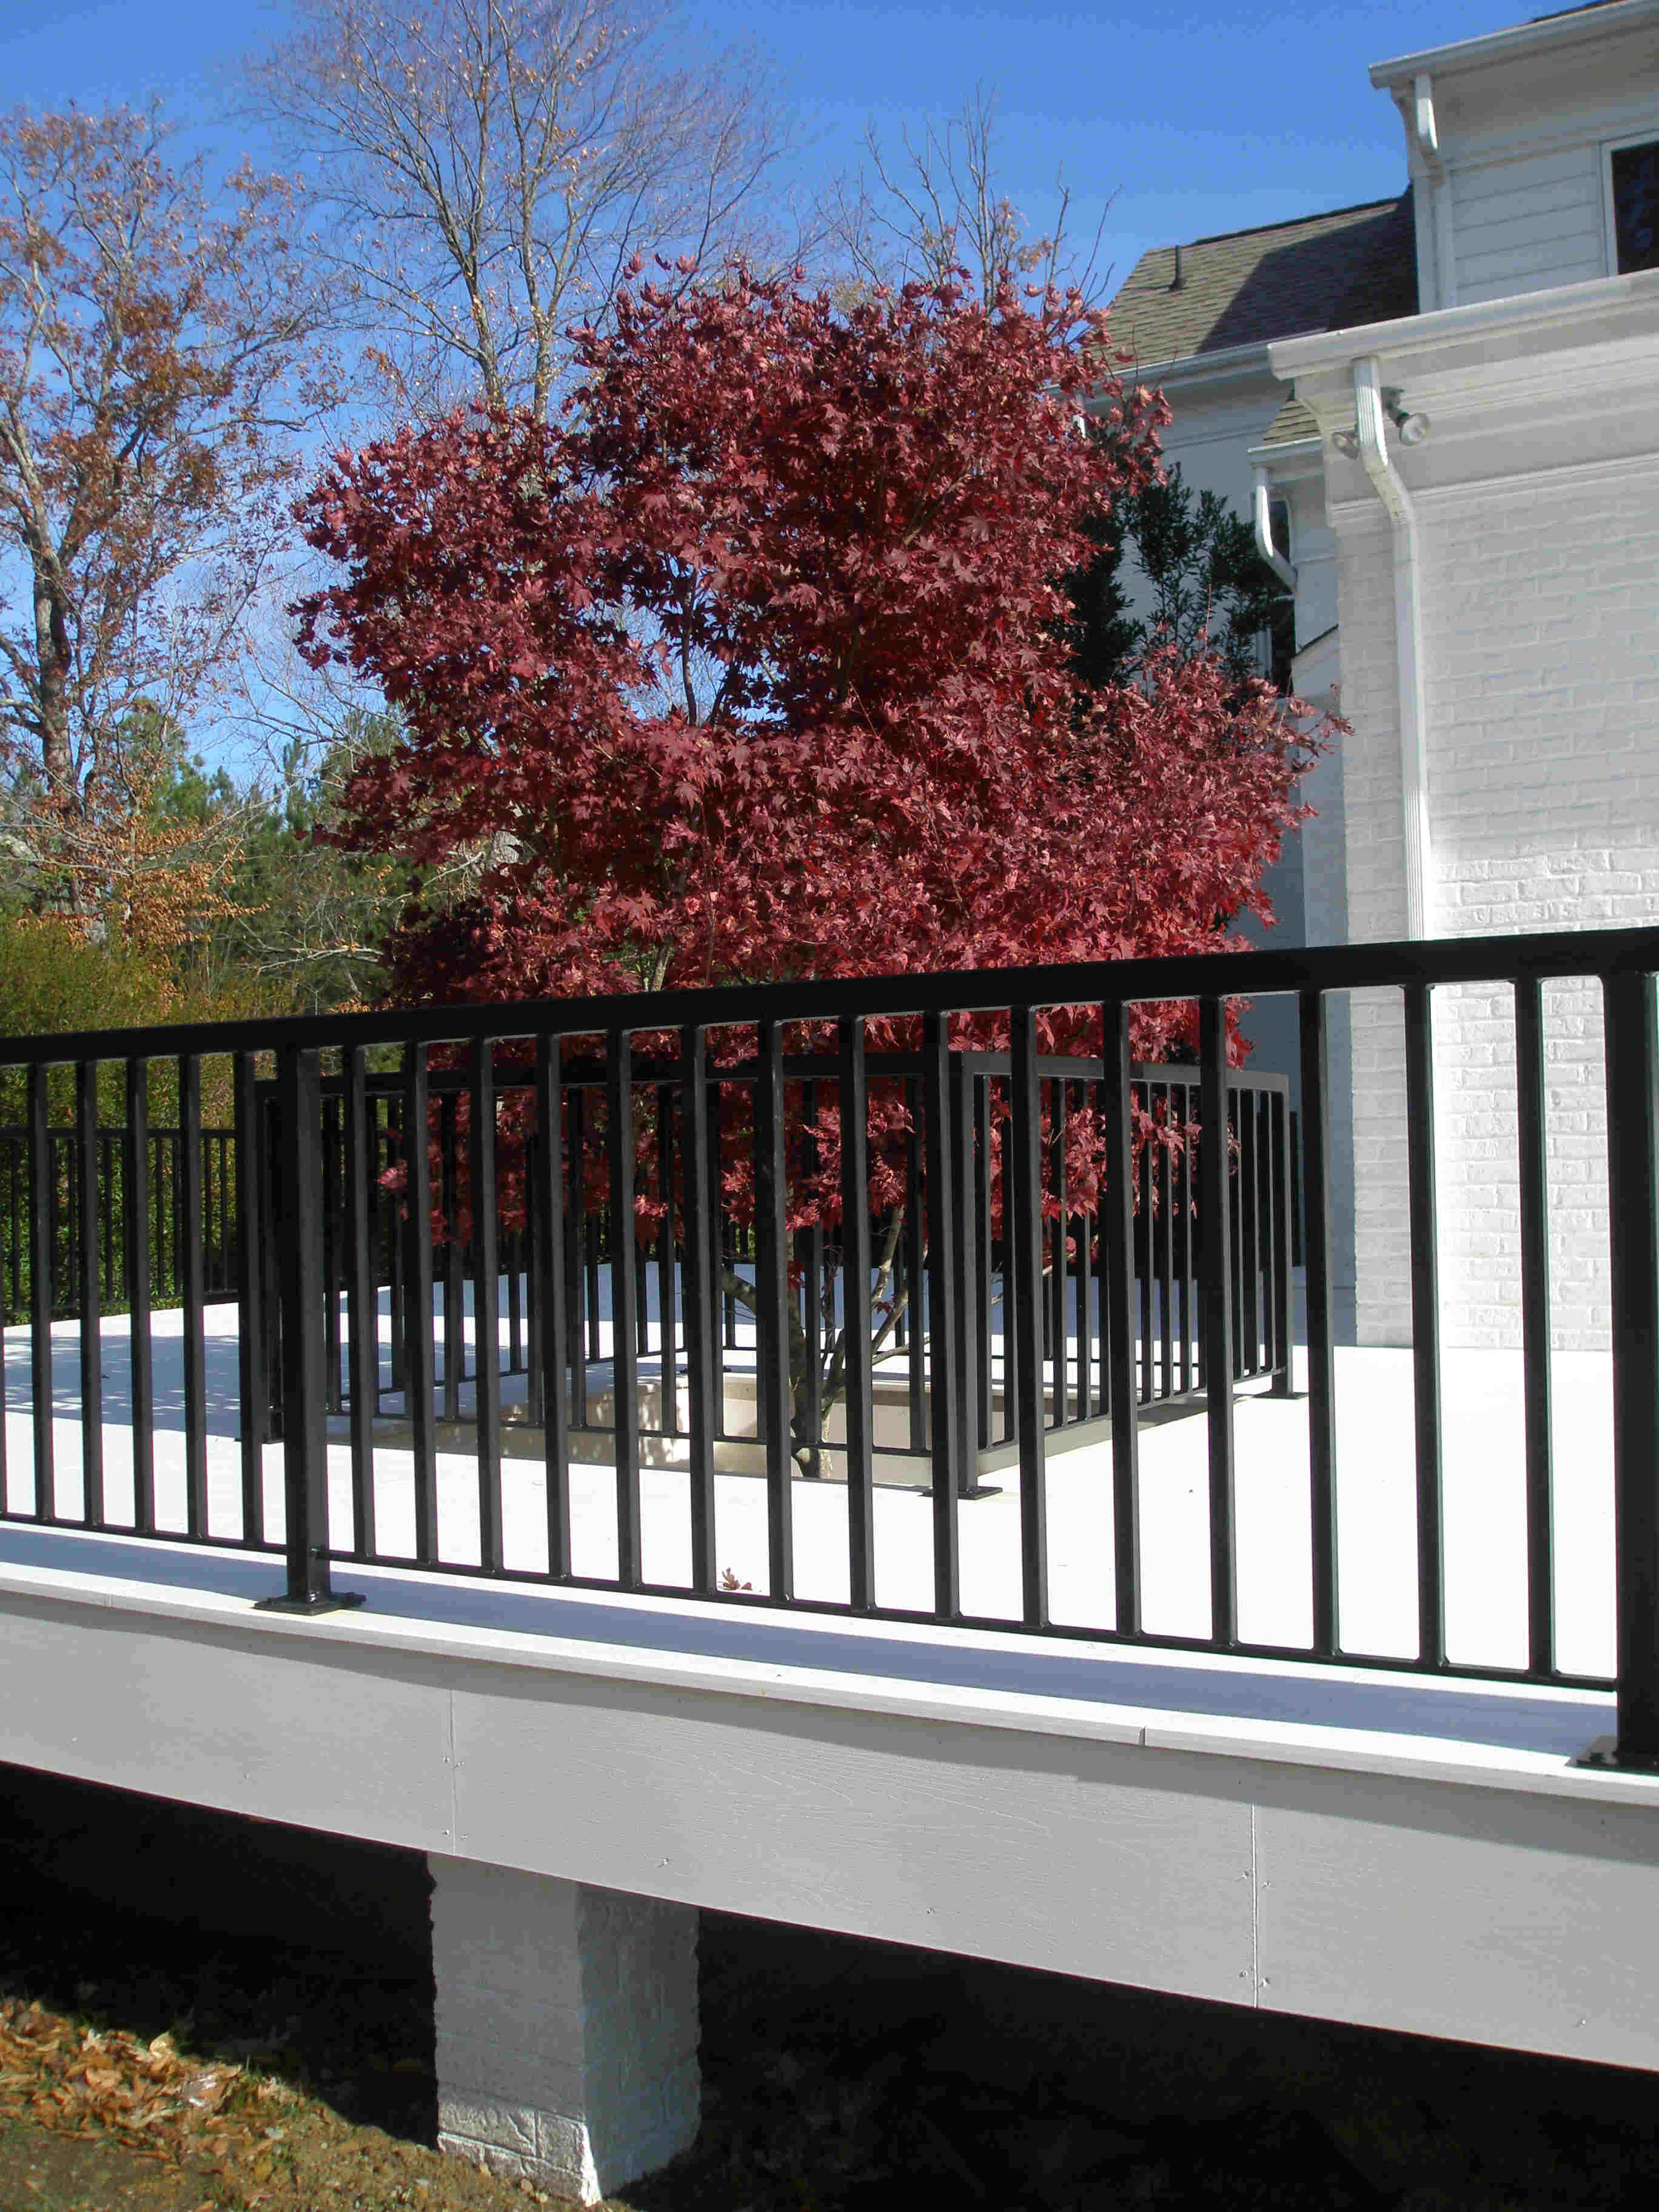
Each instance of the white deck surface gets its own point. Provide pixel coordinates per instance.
(1484, 1505)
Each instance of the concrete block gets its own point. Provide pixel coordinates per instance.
(567, 2019)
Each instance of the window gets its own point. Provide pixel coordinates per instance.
(1634, 191)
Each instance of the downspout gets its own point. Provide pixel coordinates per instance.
(1264, 534)
(1374, 458)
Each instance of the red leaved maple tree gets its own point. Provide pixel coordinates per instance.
(752, 667)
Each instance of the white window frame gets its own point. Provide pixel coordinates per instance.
(1609, 218)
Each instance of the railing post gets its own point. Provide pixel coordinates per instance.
(1215, 1188)
(1632, 1196)
(297, 1222)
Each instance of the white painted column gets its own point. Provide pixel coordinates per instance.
(567, 2021)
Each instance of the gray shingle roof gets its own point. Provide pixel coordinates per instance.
(1295, 419)
(1321, 272)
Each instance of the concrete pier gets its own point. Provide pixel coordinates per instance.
(567, 2019)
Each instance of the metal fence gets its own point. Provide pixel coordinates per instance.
(1000, 1243)
(70, 1191)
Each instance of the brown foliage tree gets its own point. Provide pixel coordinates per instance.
(156, 354)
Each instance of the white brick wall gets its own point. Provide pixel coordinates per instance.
(1541, 657)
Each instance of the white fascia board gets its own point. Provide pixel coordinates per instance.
(380, 1640)
(1575, 29)
(1563, 308)
(1291, 457)
(1227, 365)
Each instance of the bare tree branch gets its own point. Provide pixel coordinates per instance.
(492, 166)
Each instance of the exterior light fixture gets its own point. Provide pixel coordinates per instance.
(1413, 428)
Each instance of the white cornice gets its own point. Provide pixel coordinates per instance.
(1226, 365)
(1580, 27)
(1556, 316)
(1291, 459)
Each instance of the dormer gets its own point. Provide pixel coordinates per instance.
(1533, 153)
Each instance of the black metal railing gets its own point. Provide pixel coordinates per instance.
(67, 1187)
(862, 1235)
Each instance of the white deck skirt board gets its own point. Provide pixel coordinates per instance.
(1484, 1517)
(1374, 1847)
(887, 1791)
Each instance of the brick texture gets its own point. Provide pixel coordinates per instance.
(1541, 660)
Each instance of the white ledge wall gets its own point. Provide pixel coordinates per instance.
(1537, 500)
(1399, 1880)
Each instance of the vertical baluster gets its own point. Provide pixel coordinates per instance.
(1025, 1271)
(1060, 1320)
(964, 1277)
(811, 1262)
(1160, 1193)
(1282, 1182)
(333, 1258)
(41, 1294)
(1086, 1224)
(916, 1280)
(1426, 1325)
(535, 1406)
(1145, 1378)
(981, 1150)
(513, 1242)
(1247, 1185)
(1216, 1199)
(134, 1178)
(700, 1292)
(420, 1352)
(947, 1292)
(1193, 1329)
(1315, 1121)
(305, 1437)
(363, 1342)
(576, 1251)
(1011, 1382)
(1235, 1226)
(1536, 1323)
(667, 1345)
(486, 1300)
(252, 1382)
(392, 1144)
(641, 1300)
(772, 1318)
(1117, 1204)
(189, 1188)
(724, 1233)
(855, 1106)
(109, 1149)
(454, 1255)
(551, 1302)
(619, 1138)
(1632, 1072)
(599, 1228)
(92, 1374)
(722, 1311)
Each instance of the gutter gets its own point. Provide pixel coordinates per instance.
(1373, 455)
(1264, 533)
(1572, 27)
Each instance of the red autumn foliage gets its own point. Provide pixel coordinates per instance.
(752, 669)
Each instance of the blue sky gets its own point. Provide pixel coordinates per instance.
(1199, 118)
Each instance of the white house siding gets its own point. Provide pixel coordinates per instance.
(1527, 220)
(1515, 191)
(1537, 503)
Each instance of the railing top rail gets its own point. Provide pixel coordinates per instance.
(1229, 974)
